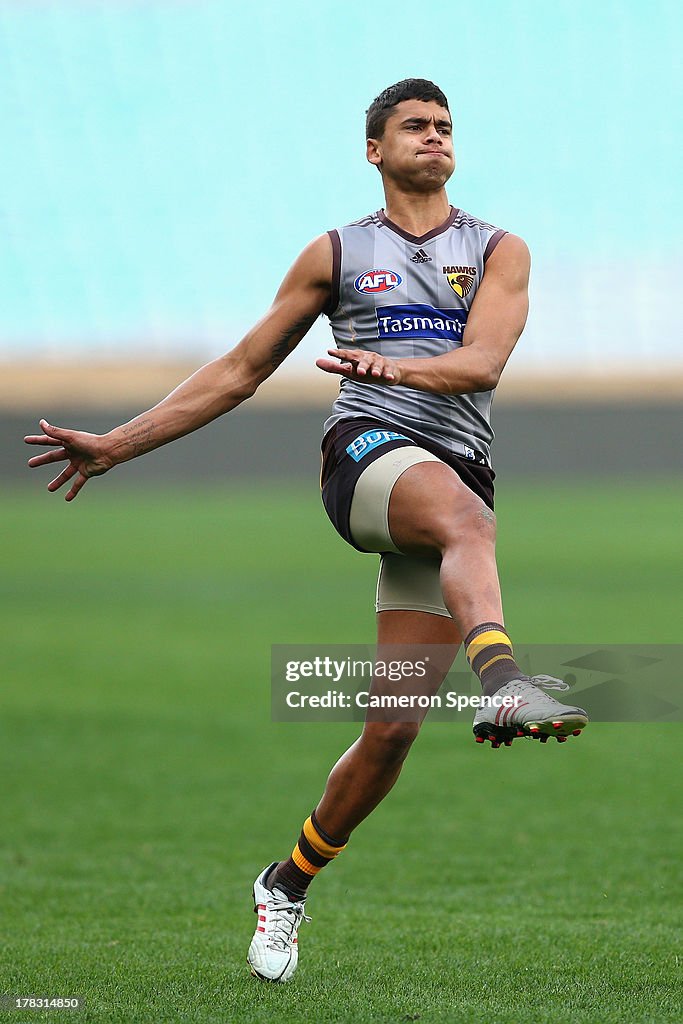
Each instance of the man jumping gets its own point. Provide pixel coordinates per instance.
(426, 303)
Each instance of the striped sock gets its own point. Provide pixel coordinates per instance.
(489, 653)
(312, 852)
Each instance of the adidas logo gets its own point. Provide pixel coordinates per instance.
(420, 257)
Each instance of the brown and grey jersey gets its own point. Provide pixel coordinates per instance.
(407, 296)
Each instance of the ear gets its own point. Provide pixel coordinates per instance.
(373, 152)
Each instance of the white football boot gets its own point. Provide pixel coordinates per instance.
(274, 952)
(535, 713)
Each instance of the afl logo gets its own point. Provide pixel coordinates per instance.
(371, 282)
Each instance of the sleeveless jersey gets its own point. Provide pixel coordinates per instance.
(406, 296)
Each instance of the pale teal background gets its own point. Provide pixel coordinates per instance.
(164, 162)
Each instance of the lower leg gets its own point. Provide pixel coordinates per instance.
(368, 770)
(363, 775)
(469, 574)
(480, 612)
(360, 779)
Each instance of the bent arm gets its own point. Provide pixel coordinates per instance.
(496, 321)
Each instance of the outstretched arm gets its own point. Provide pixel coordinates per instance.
(495, 322)
(216, 388)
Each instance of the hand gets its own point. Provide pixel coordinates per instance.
(368, 367)
(86, 454)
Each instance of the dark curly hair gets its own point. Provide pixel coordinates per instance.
(379, 111)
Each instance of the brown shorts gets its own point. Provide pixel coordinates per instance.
(352, 445)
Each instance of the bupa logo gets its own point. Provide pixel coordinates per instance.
(372, 282)
(368, 441)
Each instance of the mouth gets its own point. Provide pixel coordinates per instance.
(431, 152)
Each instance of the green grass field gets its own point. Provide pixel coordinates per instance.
(143, 783)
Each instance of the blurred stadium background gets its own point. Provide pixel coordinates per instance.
(166, 159)
(163, 163)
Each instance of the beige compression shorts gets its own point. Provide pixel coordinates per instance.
(405, 582)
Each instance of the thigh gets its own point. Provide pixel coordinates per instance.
(429, 505)
(369, 511)
(361, 461)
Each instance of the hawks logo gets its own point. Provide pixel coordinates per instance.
(461, 279)
(371, 282)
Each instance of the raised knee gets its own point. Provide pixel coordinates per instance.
(468, 521)
(482, 521)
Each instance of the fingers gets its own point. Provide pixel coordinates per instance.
(76, 486)
(52, 435)
(343, 369)
(40, 439)
(358, 364)
(53, 431)
(63, 477)
(66, 446)
(43, 460)
(354, 358)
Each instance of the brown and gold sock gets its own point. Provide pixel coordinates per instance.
(489, 653)
(314, 849)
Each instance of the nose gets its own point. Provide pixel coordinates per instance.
(432, 135)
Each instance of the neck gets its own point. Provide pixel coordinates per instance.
(417, 213)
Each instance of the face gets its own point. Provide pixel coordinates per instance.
(416, 150)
